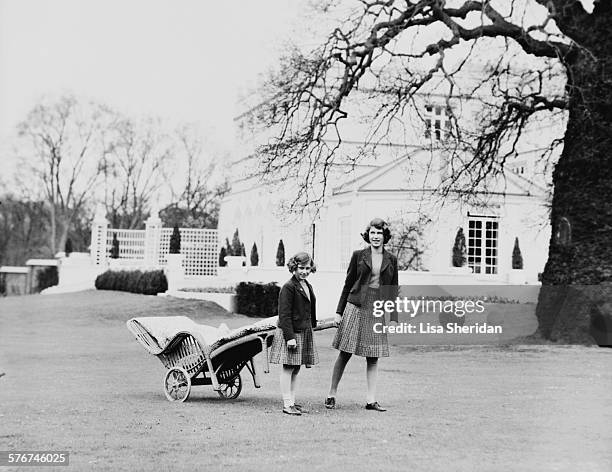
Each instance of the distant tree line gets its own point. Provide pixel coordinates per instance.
(72, 155)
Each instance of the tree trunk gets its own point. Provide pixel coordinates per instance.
(63, 236)
(580, 253)
(53, 228)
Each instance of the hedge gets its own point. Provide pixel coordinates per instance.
(254, 256)
(280, 254)
(517, 257)
(47, 277)
(175, 241)
(256, 299)
(459, 249)
(134, 281)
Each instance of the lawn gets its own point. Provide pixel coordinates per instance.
(77, 380)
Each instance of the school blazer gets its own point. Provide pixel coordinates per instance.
(358, 277)
(294, 308)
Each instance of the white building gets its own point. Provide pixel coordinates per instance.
(514, 208)
(398, 182)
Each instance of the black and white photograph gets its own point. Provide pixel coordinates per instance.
(306, 235)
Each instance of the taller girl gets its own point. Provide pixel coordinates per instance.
(371, 275)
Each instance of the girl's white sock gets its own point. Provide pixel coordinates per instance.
(294, 375)
(287, 401)
(285, 385)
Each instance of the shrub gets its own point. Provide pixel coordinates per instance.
(2, 284)
(175, 241)
(101, 280)
(254, 255)
(222, 254)
(153, 282)
(280, 254)
(46, 278)
(68, 247)
(114, 252)
(408, 241)
(134, 281)
(121, 283)
(236, 244)
(243, 253)
(459, 249)
(517, 257)
(228, 248)
(256, 299)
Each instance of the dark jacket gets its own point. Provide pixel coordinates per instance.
(294, 309)
(358, 277)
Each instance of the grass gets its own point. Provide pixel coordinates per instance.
(77, 380)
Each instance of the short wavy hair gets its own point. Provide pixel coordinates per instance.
(377, 223)
(301, 258)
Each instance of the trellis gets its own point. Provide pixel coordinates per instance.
(149, 247)
(199, 248)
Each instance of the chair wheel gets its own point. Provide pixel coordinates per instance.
(177, 385)
(231, 389)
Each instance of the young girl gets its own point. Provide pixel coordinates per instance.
(293, 343)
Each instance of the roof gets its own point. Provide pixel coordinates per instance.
(416, 172)
(14, 270)
(340, 171)
(41, 262)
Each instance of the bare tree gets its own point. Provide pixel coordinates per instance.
(407, 241)
(61, 148)
(197, 195)
(536, 58)
(134, 169)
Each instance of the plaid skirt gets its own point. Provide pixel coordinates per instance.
(356, 331)
(305, 353)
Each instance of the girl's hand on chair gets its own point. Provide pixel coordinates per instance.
(337, 318)
(291, 344)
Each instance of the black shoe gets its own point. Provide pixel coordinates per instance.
(374, 406)
(330, 403)
(300, 408)
(292, 410)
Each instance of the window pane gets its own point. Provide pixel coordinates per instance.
(482, 246)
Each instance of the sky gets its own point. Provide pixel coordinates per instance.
(184, 61)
